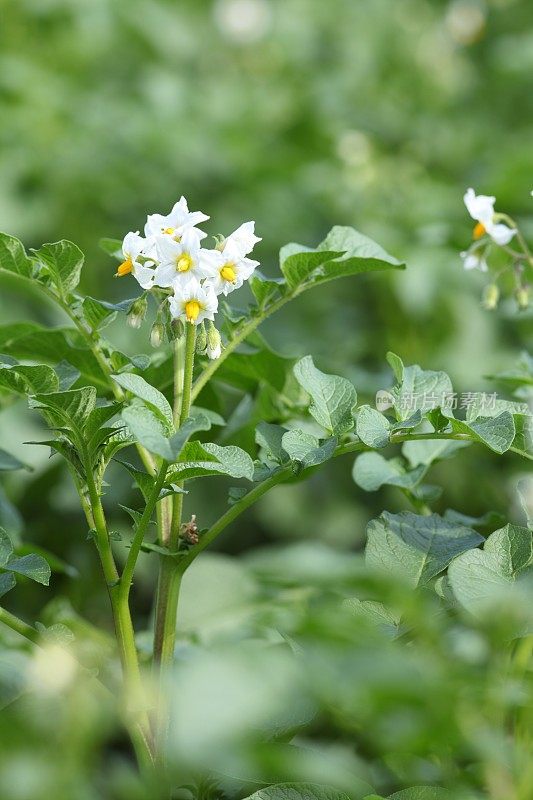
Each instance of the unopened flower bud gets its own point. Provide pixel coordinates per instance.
(220, 242)
(157, 333)
(201, 339)
(522, 297)
(178, 328)
(214, 343)
(137, 312)
(491, 295)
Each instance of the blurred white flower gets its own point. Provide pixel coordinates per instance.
(174, 224)
(474, 259)
(179, 260)
(481, 208)
(243, 21)
(193, 302)
(52, 670)
(135, 247)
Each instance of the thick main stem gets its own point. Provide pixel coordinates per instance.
(170, 570)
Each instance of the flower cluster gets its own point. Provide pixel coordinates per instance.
(496, 229)
(170, 256)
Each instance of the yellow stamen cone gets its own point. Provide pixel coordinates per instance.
(192, 310)
(479, 231)
(228, 273)
(125, 268)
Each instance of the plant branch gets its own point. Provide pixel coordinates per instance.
(21, 627)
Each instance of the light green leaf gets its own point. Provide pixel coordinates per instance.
(428, 451)
(153, 398)
(416, 548)
(265, 289)
(375, 613)
(372, 427)
(297, 444)
(148, 429)
(422, 793)
(13, 256)
(6, 548)
(99, 313)
(419, 389)
(202, 460)
(371, 471)
(497, 433)
(332, 398)
(523, 440)
(270, 437)
(298, 791)
(299, 262)
(31, 566)
(7, 582)
(63, 261)
(185, 431)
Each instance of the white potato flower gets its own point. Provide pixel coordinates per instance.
(227, 270)
(176, 222)
(179, 260)
(134, 248)
(481, 208)
(193, 302)
(244, 239)
(474, 259)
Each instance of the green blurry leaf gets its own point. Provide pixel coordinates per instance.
(422, 793)
(332, 398)
(64, 261)
(477, 575)
(113, 247)
(13, 256)
(298, 791)
(153, 398)
(7, 582)
(270, 437)
(371, 471)
(31, 566)
(372, 427)
(9, 462)
(416, 548)
(6, 548)
(374, 612)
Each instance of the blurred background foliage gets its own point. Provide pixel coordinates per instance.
(300, 115)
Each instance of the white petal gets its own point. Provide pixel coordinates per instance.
(165, 275)
(500, 233)
(243, 238)
(143, 275)
(480, 207)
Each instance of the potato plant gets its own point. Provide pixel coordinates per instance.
(429, 584)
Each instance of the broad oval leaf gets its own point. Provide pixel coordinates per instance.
(63, 261)
(298, 791)
(372, 427)
(332, 398)
(13, 257)
(153, 398)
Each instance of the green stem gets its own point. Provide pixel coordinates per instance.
(168, 586)
(18, 625)
(140, 530)
(137, 717)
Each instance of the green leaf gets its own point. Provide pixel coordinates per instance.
(153, 398)
(497, 433)
(269, 437)
(372, 427)
(422, 793)
(148, 429)
(206, 459)
(7, 582)
(191, 425)
(297, 444)
(298, 791)
(63, 261)
(416, 548)
(523, 440)
(375, 613)
(332, 397)
(477, 577)
(9, 462)
(6, 548)
(343, 252)
(419, 389)
(265, 289)
(428, 451)
(31, 566)
(113, 247)
(99, 313)
(26, 379)
(371, 471)
(66, 409)
(13, 257)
